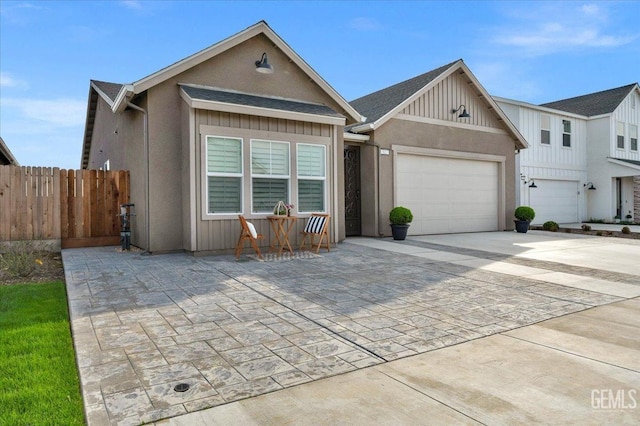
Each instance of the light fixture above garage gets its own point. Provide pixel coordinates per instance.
(463, 114)
(531, 182)
(589, 185)
(262, 66)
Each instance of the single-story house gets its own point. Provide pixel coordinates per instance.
(208, 138)
(6, 157)
(583, 160)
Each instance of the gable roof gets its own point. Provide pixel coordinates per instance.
(127, 91)
(375, 105)
(382, 105)
(6, 157)
(604, 102)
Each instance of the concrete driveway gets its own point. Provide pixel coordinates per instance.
(232, 330)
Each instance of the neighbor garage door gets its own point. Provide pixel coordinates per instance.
(448, 195)
(555, 200)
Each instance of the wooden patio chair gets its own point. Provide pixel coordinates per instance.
(248, 232)
(317, 225)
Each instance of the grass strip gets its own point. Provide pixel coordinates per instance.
(39, 380)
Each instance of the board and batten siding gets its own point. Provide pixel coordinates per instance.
(628, 112)
(222, 234)
(449, 94)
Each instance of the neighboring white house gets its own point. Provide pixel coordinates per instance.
(583, 160)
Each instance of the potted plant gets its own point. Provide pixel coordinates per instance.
(524, 215)
(400, 217)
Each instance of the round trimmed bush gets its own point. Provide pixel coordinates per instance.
(550, 226)
(525, 213)
(626, 230)
(400, 216)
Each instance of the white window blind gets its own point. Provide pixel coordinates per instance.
(224, 175)
(311, 162)
(633, 136)
(566, 133)
(620, 134)
(545, 129)
(270, 174)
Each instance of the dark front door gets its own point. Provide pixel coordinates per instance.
(352, 190)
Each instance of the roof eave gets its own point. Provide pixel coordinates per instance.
(259, 28)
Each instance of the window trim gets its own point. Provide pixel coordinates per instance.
(547, 129)
(620, 126)
(323, 178)
(288, 177)
(631, 137)
(207, 174)
(564, 132)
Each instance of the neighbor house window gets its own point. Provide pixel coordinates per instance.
(311, 177)
(224, 175)
(269, 174)
(566, 133)
(545, 129)
(620, 134)
(633, 136)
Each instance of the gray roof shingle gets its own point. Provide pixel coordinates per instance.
(237, 98)
(377, 104)
(598, 103)
(109, 89)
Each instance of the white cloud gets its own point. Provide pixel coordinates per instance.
(62, 112)
(560, 27)
(7, 80)
(132, 4)
(364, 24)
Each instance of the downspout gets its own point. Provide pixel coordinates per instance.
(147, 174)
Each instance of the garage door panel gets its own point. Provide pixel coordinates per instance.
(555, 200)
(448, 195)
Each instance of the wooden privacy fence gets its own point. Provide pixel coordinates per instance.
(78, 207)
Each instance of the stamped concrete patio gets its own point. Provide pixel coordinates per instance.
(236, 329)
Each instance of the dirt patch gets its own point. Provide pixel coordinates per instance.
(47, 267)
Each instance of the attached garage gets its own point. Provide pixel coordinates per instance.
(450, 194)
(555, 200)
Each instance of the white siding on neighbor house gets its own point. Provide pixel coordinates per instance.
(550, 165)
(626, 113)
(447, 95)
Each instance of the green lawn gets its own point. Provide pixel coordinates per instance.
(38, 375)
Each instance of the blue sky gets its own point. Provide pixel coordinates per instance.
(531, 51)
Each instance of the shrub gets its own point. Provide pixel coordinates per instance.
(20, 259)
(592, 220)
(599, 233)
(525, 213)
(586, 227)
(550, 226)
(400, 216)
(626, 230)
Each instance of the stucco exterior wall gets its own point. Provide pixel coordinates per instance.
(449, 138)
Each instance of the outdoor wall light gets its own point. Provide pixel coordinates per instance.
(463, 114)
(531, 182)
(262, 66)
(590, 186)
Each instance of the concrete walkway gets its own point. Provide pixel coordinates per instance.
(234, 330)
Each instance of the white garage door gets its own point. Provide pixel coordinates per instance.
(448, 195)
(555, 200)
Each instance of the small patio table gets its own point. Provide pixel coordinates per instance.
(281, 226)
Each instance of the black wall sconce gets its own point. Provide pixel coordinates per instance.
(531, 182)
(463, 114)
(262, 66)
(589, 186)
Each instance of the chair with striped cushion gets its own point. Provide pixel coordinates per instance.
(248, 232)
(317, 225)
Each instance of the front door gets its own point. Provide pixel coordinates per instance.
(352, 215)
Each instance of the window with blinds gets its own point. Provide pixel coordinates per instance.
(224, 175)
(269, 174)
(566, 133)
(311, 160)
(545, 129)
